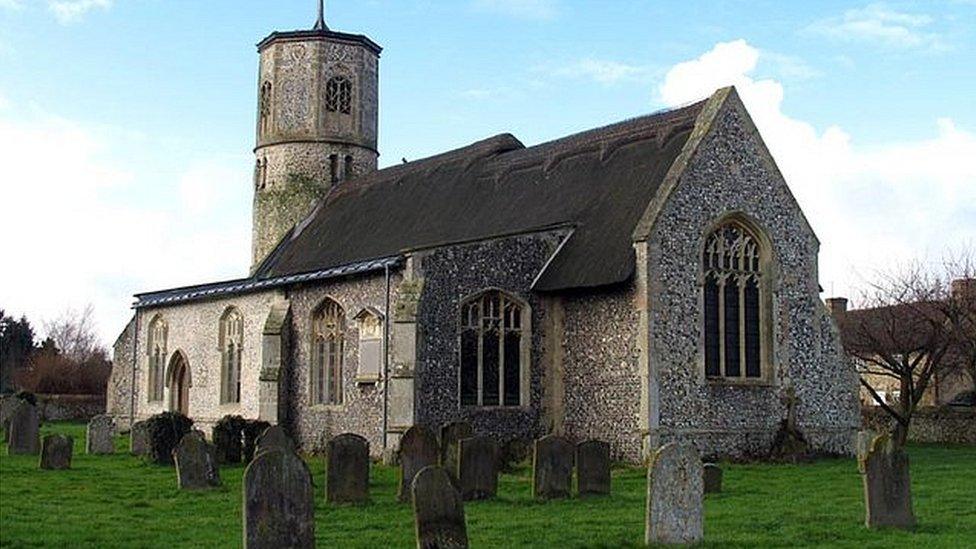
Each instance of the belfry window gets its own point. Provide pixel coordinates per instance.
(156, 349)
(732, 299)
(494, 350)
(231, 341)
(328, 335)
(338, 95)
(264, 108)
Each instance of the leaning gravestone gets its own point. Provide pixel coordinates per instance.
(25, 424)
(887, 486)
(675, 488)
(279, 502)
(347, 469)
(418, 449)
(139, 438)
(712, 478)
(451, 433)
(477, 471)
(100, 436)
(56, 451)
(196, 463)
(273, 437)
(593, 468)
(862, 445)
(552, 467)
(438, 511)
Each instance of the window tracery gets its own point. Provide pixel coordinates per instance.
(494, 350)
(328, 333)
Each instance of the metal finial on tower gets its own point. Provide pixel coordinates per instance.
(320, 22)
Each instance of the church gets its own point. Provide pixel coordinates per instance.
(647, 281)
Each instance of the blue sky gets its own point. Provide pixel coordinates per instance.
(126, 125)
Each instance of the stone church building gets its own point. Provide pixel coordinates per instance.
(646, 281)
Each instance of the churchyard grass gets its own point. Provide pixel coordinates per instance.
(117, 500)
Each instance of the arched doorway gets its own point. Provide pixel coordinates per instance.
(179, 384)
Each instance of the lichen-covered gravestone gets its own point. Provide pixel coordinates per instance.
(552, 467)
(418, 449)
(139, 438)
(438, 511)
(347, 469)
(56, 451)
(593, 468)
(887, 486)
(273, 437)
(25, 424)
(100, 436)
(451, 433)
(862, 445)
(279, 502)
(196, 463)
(675, 488)
(712, 478)
(477, 468)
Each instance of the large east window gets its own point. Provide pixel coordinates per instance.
(328, 336)
(494, 350)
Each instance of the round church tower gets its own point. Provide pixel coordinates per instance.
(318, 112)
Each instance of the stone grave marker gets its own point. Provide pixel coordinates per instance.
(438, 511)
(56, 452)
(418, 449)
(25, 424)
(451, 433)
(347, 469)
(100, 436)
(552, 467)
(477, 468)
(593, 468)
(712, 479)
(862, 445)
(279, 502)
(273, 437)
(887, 486)
(8, 404)
(196, 462)
(675, 488)
(139, 438)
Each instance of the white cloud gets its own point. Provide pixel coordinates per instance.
(69, 11)
(11, 4)
(522, 9)
(600, 70)
(881, 24)
(873, 207)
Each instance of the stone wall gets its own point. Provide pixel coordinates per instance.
(70, 407)
(119, 388)
(930, 424)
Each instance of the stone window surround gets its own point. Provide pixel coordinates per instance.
(230, 342)
(340, 333)
(769, 271)
(156, 355)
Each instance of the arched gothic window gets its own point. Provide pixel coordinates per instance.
(265, 108)
(328, 334)
(733, 296)
(231, 341)
(494, 350)
(156, 349)
(338, 95)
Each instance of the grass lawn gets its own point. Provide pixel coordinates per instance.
(120, 501)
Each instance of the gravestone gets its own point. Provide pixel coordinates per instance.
(712, 478)
(8, 403)
(593, 468)
(418, 449)
(451, 433)
(279, 502)
(552, 467)
(675, 487)
(273, 437)
(477, 472)
(862, 445)
(25, 424)
(438, 511)
(139, 438)
(196, 463)
(347, 469)
(228, 438)
(56, 451)
(100, 436)
(887, 486)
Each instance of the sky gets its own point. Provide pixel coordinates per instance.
(126, 126)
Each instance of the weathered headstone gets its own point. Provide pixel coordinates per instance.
(418, 449)
(675, 488)
(862, 445)
(196, 462)
(347, 469)
(451, 433)
(887, 486)
(139, 438)
(25, 424)
(100, 436)
(438, 511)
(279, 502)
(477, 468)
(273, 437)
(552, 467)
(712, 478)
(593, 468)
(56, 452)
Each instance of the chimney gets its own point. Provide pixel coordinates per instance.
(837, 306)
(964, 288)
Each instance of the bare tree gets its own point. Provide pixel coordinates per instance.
(914, 326)
(73, 333)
